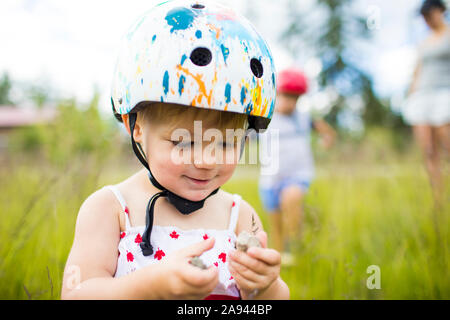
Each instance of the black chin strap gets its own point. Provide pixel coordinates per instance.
(185, 206)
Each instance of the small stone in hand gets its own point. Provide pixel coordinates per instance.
(245, 240)
(197, 262)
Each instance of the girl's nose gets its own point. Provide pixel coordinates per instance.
(205, 158)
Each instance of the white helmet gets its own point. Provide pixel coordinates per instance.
(196, 54)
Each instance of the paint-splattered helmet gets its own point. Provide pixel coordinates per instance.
(197, 54)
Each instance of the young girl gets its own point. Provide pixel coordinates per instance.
(187, 73)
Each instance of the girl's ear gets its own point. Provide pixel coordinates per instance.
(137, 134)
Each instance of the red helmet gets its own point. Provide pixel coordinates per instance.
(292, 81)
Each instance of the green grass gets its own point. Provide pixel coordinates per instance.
(355, 216)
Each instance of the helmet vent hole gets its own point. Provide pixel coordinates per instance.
(197, 6)
(201, 56)
(257, 67)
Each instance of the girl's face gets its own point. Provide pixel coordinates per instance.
(190, 159)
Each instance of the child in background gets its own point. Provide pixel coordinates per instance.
(286, 176)
(183, 67)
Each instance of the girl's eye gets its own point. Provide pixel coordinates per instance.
(183, 144)
(229, 145)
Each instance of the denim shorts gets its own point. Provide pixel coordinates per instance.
(270, 197)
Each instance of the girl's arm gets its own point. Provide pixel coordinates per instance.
(258, 264)
(92, 260)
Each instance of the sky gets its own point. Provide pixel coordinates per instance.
(72, 45)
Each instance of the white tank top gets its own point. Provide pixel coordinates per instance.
(166, 239)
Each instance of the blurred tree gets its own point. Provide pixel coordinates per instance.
(38, 94)
(5, 88)
(334, 29)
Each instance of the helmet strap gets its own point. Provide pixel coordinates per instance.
(183, 205)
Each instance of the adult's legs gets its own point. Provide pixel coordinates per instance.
(442, 141)
(426, 138)
(443, 137)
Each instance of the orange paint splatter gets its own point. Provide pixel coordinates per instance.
(201, 86)
(217, 30)
(256, 96)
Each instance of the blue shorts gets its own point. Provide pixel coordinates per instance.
(270, 197)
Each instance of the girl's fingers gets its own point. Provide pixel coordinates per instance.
(252, 263)
(198, 248)
(198, 277)
(262, 237)
(241, 281)
(246, 273)
(268, 256)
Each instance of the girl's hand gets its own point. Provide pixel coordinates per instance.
(255, 270)
(185, 281)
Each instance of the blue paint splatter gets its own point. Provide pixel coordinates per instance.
(248, 36)
(273, 79)
(142, 80)
(180, 18)
(154, 38)
(162, 99)
(243, 94)
(181, 84)
(249, 108)
(272, 105)
(225, 52)
(228, 93)
(166, 82)
(127, 94)
(183, 58)
(198, 34)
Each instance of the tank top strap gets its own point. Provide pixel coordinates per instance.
(234, 212)
(123, 204)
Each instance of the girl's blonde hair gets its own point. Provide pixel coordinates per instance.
(174, 115)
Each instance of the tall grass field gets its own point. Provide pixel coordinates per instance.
(356, 216)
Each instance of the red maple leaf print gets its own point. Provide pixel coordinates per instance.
(159, 254)
(122, 235)
(130, 257)
(233, 204)
(138, 238)
(127, 211)
(174, 235)
(216, 264)
(229, 240)
(205, 237)
(231, 278)
(223, 257)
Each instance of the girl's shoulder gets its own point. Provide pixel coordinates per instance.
(99, 211)
(248, 219)
(102, 198)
